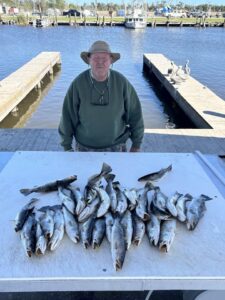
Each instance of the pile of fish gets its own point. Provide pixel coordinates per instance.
(121, 214)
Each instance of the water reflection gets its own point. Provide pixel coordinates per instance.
(24, 111)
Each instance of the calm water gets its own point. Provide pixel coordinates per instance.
(203, 47)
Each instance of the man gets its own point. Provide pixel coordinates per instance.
(101, 109)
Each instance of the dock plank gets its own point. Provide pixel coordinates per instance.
(15, 87)
(202, 105)
(208, 141)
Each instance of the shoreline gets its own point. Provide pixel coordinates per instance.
(116, 21)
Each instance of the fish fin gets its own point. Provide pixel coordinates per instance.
(26, 191)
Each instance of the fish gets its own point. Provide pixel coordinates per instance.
(111, 192)
(89, 210)
(159, 199)
(78, 198)
(118, 245)
(181, 207)
(156, 175)
(98, 233)
(153, 229)
(89, 194)
(71, 225)
(141, 208)
(132, 197)
(196, 210)
(28, 235)
(109, 220)
(95, 179)
(66, 200)
(138, 230)
(161, 215)
(86, 229)
(127, 223)
(105, 202)
(41, 241)
(24, 213)
(47, 222)
(167, 234)
(171, 203)
(121, 199)
(58, 231)
(49, 187)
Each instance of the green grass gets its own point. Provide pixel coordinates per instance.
(66, 19)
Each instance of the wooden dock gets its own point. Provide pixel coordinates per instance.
(208, 141)
(15, 87)
(201, 105)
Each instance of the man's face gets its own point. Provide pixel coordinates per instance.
(100, 63)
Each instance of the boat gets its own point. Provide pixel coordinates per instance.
(135, 22)
(136, 19)
(42, 22)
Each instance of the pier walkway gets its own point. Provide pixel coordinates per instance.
(15, 87)
(207, 141)
(201, 105)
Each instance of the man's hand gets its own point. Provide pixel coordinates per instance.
(134, 149)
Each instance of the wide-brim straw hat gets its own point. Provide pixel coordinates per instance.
(99, 47)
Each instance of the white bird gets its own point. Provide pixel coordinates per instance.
(186, 68)
(171, 69)
(177, 76)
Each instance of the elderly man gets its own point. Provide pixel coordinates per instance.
(101, 109)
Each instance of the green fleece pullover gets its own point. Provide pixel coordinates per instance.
(101, 114)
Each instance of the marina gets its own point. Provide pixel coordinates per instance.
(197, 154)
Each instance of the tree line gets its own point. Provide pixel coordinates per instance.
(42, 5)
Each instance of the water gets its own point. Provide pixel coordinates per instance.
(203, 47)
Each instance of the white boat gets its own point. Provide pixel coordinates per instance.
(137, 17)
(135, 21)
(41, 22)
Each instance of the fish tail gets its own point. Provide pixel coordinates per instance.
(95, 245)
(156, 188)
(205, 197)
(86, 244)
(149, 185)
(105, 169)
(169, 168)
(146, 217)
(118, 265)
(26, 191)
(109, 177)
(116, 185)
(163, 247)
(188, 196)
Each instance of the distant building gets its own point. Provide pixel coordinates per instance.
(13, 11)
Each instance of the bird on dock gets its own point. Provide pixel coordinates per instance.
(170, 70)
(186, 68)
(177, 76)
